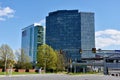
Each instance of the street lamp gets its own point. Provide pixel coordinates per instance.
(70, 65)
(105, 65)
(5, 63)
(45, 64)
(75, 65)
(45, 58)
(35, 65)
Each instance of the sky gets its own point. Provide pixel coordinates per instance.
(17, 14)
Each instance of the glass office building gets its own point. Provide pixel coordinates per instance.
(32, 37)
(70, 31)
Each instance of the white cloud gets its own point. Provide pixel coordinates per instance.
(41, 22)
(6, 12)
(2, 19)
(107, 38)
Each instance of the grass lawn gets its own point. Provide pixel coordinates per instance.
(22, 73)
(83, 73)
(18, 73)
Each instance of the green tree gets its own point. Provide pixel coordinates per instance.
(60, 61)
(46, 57)
(23, 60)
(7, 56)
(2, 64)
(23, 57)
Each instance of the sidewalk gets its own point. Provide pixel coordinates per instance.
(19, 75)
(12, 75)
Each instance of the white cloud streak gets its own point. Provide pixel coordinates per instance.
(2, 19)
(107, 38)
(41, 22)
(5, 13)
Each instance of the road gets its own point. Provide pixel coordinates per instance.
(59, 77)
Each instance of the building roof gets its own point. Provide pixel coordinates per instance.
(35, 24)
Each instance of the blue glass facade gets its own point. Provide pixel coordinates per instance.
(70, 31)
(32, 37)
(87, 34)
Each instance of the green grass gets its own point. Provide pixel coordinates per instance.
(18, 73)
(81, 73)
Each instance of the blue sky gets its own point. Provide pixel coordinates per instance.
(17, 14)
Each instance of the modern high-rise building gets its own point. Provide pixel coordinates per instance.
(32, 37)
(70, 31)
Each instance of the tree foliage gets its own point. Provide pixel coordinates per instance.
(60, 62)
(6, 55)
(2, 64)
(6, 51)
(23, 57)
(23, 60)
(46, 57)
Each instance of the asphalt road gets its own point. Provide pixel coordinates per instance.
(59, 77)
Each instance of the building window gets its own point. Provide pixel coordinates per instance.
(24, 33)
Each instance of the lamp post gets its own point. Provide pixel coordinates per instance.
(70, 65)
(75, 62)
(45, 58)
(35, 66)
(5, 63)
(105, 65)
(45, 64)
